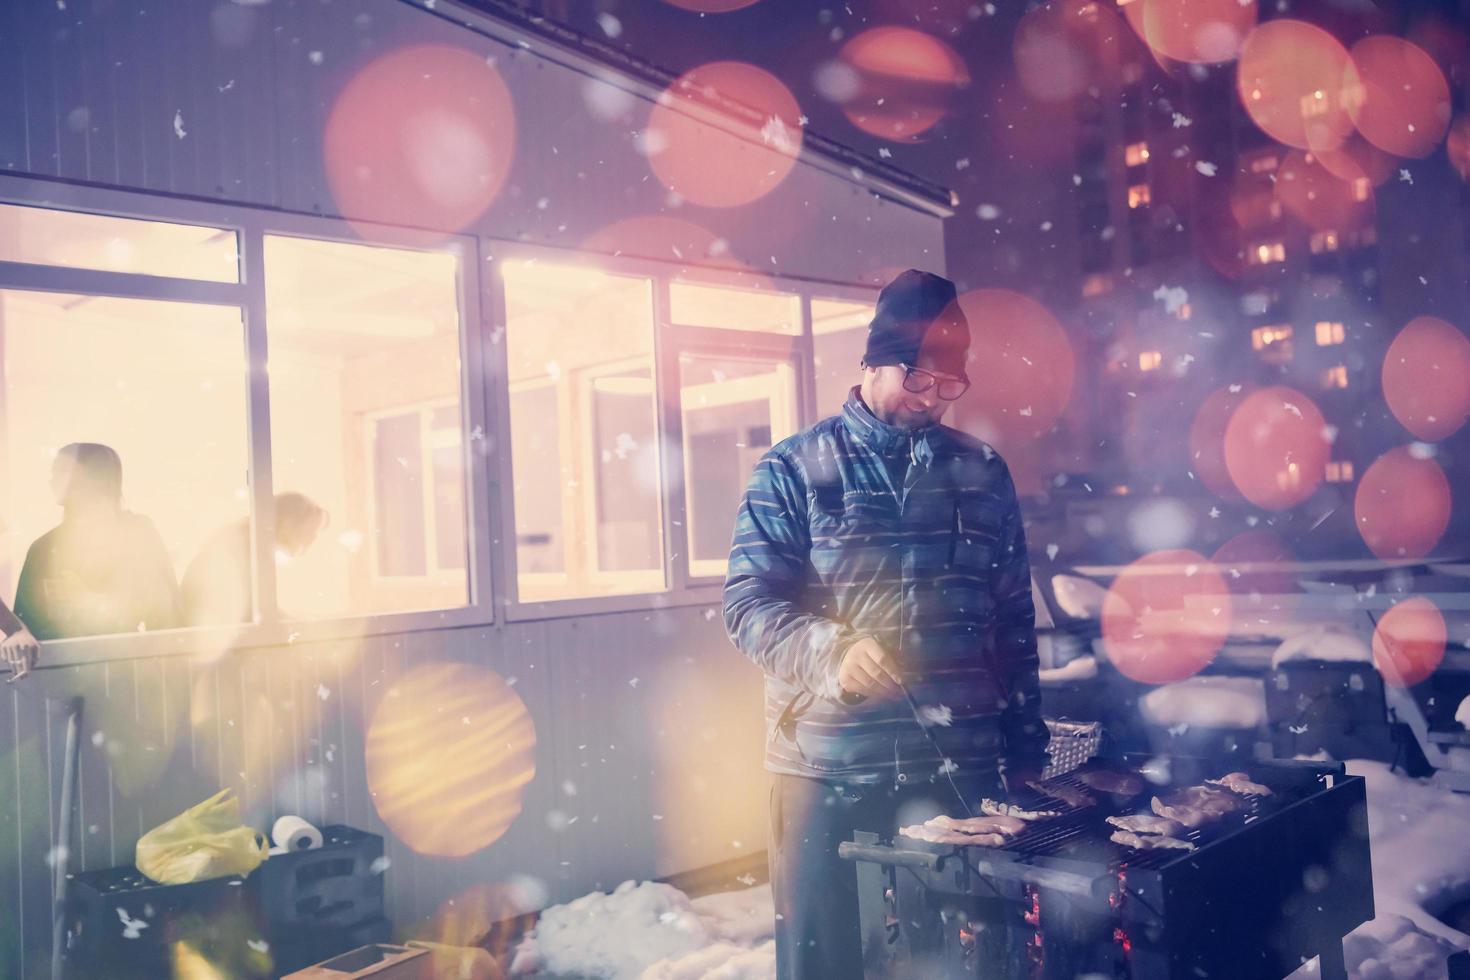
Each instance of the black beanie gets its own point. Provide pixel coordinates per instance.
(919, 312)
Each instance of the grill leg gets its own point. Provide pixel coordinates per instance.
(1330, 963)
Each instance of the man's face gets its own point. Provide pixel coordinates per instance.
(891, 402)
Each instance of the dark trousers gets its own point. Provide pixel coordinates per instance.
(815, 891)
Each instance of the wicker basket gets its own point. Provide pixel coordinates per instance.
(1072, 744)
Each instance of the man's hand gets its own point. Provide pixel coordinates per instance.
(18, 652)
(869, 670)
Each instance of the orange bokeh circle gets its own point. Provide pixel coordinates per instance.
(1255, 561)
(1293, 80)
(1320, 197)
(449, 751)
(422, 137)
(707, 165)
(1165, 617)
(1197, 31)
(1276, 447)
(1426, 378)
(1402, 507)
(1409, 642)
(1402, 103)
(1023, 366)
(907, 79)
(1207, 439)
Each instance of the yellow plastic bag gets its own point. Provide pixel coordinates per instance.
(205, 841)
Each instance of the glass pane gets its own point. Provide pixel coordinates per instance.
(839, 337)
(700, 305)
(584, 447)
(96, 539)
(364, 373)
(733, 411)
(44, 236)
(398, 505)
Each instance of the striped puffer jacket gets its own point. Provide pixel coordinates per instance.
(827, 549)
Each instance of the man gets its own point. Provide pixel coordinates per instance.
(879, 577)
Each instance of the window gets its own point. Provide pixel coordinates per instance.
(76, 240)
(1150, 360)
(1324, 241)
(1097, 285)
(1362, 188)
(1266, 253)
(585, 459)
(1329, 333)
(366, 409)
(733, 411)
(1264, 164)
(1139, 196)
(1339, 471)
(163, 386)
(702, 305)
(1315, 103)
(839, 337)
(1184, 311)
(1273, 343)
(1335, 377)
(1135, 154)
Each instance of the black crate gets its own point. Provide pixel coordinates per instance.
(124, 925)
(335, 886)
(1329, 706)
(302, 907)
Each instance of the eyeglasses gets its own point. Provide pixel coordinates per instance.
(917, 380)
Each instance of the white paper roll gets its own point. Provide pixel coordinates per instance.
(291, 833)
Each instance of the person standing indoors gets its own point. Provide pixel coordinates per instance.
(879, 577)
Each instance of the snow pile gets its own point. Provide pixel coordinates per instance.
(1462, 713)
(651, 931)
(1207, 702)
(1322, 643)
(1392, 948)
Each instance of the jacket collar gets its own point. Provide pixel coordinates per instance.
(882, 438)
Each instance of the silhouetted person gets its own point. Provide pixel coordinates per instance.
(216, 589)
(102, 569)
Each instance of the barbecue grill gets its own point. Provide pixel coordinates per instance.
(1265, 890)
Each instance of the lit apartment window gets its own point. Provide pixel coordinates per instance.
(1339, 471)
(1274, 209)
(1328, 333)
(1335, 377)
(1136, 154)
(1264, 164)
(1150, 360)
(1362, 188)
(1097, 285)
(1133, 71)
(1324, 241)
(1266, 252)
(1184, 311)
(1138, 196)
(1273, 343)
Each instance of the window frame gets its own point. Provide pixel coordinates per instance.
(252, 225)
(491, 560)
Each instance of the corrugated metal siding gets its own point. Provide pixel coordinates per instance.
(285, 728)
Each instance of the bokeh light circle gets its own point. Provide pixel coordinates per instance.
(1207, 439)
(706, 165)
(1276, 447)
(1022, 363)
(421, 137)
(1165, 617)
(1050, 62)
(1426, 378)
(1197, 31)
(1319, 197)
(1402, 104)
(1293, 79)
(1409, 642)
(711, 6)
(1402, 506)
(1254, 562)
(449, 751)
(906, 81)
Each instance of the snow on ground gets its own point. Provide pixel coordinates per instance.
(651, 931)
(1076, 669)
(1207, 702)
(1322, 643)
